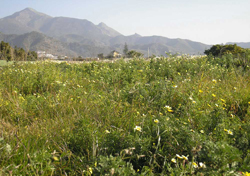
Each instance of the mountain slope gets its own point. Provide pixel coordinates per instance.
(29, 20)
(241, 44)
(81, 37)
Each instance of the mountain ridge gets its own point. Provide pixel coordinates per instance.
(72, 34)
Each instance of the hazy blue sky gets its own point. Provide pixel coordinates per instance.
(207, 21)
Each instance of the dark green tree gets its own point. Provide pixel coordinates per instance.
(125, 50)
(100, 56)
(219, 50)
(133, 54)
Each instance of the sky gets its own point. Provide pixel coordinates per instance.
(206, 21)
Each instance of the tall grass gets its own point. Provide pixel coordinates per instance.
(125, 118)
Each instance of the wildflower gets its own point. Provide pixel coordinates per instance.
(90, 170)
(175, 86)
(235, 88)
(225, 130)
(190, 98)
(223, 100)
(178, 156)
(156, 121)
(137, 128)
(8, 148)
(169, 109)
(216, 105)
(246, 173)
(107, 131)
(202, 165)
(201, 131)
(214, 81)
(192, 130)
(194, 102)
(200, 91)
(249, 102)
(184, 157)
(173, 160)
(230, 132)
(55, 158)
(213, 95)
(167, 118)
(195, 165)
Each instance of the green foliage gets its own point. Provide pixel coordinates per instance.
(16, 54)
(219, 50)
(157, 117)
(125, 50)
(134, 54)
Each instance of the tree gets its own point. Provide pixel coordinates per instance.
(125, 50)
(133, 54)
(219, 50)
(100, 56)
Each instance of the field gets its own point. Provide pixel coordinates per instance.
(166, 116)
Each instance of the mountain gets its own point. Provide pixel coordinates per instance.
(69, 36)
(241, 44)
(36, 41)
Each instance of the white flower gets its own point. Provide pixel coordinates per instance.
(156, 121)
(173, 160)
(195, 165)
(184, 157)
(202, 165)
(137, 128)
(178, 156)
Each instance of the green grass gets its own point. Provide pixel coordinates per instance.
(4, 63)
(126, 118)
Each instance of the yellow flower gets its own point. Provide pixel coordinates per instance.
(178, 156)
(201, 131)
(167, 118)
(195, 165)
(214, 81)
(194, 102)
(55, 158)
(229, 132)
(184, 157)
(137, 128)
(156, 121)
(246, 173)
(213, 95)
(169, 109)
(224, 101)
(90, 170)
(107, 131)
(200, 91)
(173, 160)
(249, 102)
(225, 130)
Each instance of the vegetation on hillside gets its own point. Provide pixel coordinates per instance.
(166, 116)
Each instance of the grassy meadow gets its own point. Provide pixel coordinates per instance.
(166, 116)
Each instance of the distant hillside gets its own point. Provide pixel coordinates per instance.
(241, 44)
(35, 41)
(74, 37)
